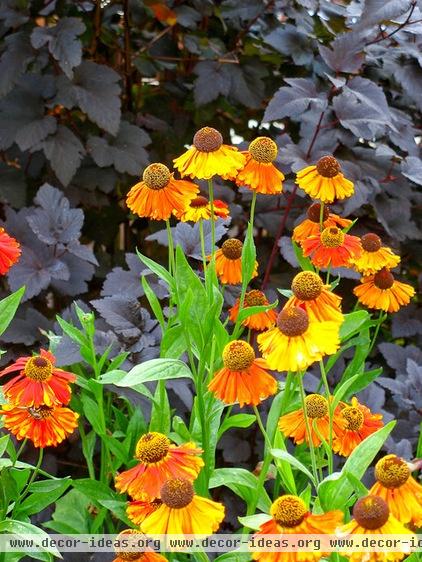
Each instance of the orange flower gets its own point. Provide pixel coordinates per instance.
(259, 172)
(221, 209)
(372, 518)
(311, 225)
(360, 423)
(43, 425)
(138, 510)
(315, 298)
(183, 512)
(294, 425)
(325, 180)
(382, 292)
(374, 256)
(200, 208)
(258, 321)
(395, 485)
(9, 251)
(291, 516)
(159, 195)
(39, 382)
(209, 157)
(129, 539)
(228, 262)
(159, 460)
(297, 341)
(243, 378)
(332, 247)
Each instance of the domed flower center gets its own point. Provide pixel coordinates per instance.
(38, 369)
(289, 511)
(238, 355)
(263, 150)
(371, 242)
(354, 418)
(293, 321)
(129, 543)
(40, 413)
(152, 447)
(328, 167)
(332, 237)
(371, 512)
(156, 176)
(177, 493)
(392, 471)
(255, 298)
(316, 406)
(232, 249)
(383, 279)
(314, 213)
(199, 201)
(207, 139)
(307, 285)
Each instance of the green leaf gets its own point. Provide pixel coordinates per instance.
(158, 269)
(39, 500)
(286, 293)
(4, 442)
(153, 370)
(341, 390)
(248, 256)
(160, 414)
(74, 333)
(305, 263)
(359, 488)
(241, 482)
(173, 343)
(249, 310)
(14, 527)
(8, 307)
(94, 490)
(90, 408)
(363, 380)
(335, 490)
(118, 450)
(153, 302)
(238, 420)
(71, 514)
(353, 322)
(254, 521)
(285, 456)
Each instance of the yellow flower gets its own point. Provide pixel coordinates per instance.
(382, 292)
(228, 262)
(374, 256)
(324, 181)
(259, 172)
(298, 341)
(209, 157)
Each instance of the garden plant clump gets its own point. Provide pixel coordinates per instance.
(219, 333)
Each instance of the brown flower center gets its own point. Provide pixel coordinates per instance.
(307, 285)
(255, 298)
(371, 242)
(128, 555)
(288, 511)
(40, 413)
(354, 418)
(383, 279)
(238, 355)
(232, 249)
(314, 212)
(293, 321)
(177, 493)
(152, 447)
(392, 471)
(328, 167)
(371, 512)
(38, 368)
(199, 201)
(263, 150)
(316, 406)
(207, 139)
(156, 176)
(332, 237)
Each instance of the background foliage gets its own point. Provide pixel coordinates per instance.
(90, 92)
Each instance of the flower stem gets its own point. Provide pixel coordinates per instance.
(32, 478)
(321, 216)
(20, 450)
(381, 318)
(330, 413)
(171, 248)
(308, 429)
(202, 238)
(211, 197)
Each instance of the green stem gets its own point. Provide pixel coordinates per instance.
(308, 429)
(211, 197)
(20, 450)
(381, 318)
(31, 480)
(321, 216)
(330, 413)
(253, 205)
(327, 280)
(262, 428)
(202, 238)
(171, 248)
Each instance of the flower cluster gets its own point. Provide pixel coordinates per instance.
(37, 395)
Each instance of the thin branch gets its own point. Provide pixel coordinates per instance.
(406, 21)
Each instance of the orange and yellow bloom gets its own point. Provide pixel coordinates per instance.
(45, 426)
(38, 382)
(243, 378)
(396, 486)
(325, 181)
(158, 460)
(374, 256)
(130, 554)
(311, 226)
(200, 209)
(289, 515)
(228, 262)
(360, 422)
(9, 251)
(258, 321)
(297, 341)
(183, 512)
(332, 248)
(382, 292)
(209, 157)
(259, 172)
(159, 195)
(138, 510)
